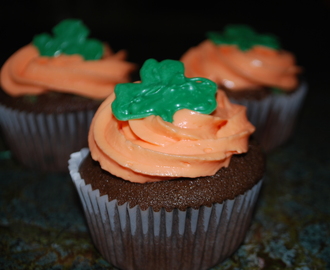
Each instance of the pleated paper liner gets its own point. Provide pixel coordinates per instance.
(44, 142)
(133, 239)
(274, 116)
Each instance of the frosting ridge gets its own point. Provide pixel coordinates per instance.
(151, 149)
(237, 69)
(26, 72)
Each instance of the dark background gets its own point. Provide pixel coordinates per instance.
(164, 30)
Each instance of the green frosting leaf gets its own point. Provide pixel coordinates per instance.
(70, 37)
(163, 90)
(244, 37)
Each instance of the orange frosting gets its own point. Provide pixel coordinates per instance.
(26, 72)
(151, 149)
(237, 70)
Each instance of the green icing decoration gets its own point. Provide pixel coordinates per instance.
(163, 90)
(244, 37)
(277, 91)
(70, 37)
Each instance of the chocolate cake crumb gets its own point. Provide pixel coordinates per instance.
(243, 172)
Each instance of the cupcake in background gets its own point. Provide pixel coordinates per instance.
(50, 90)
(254, 71)
(170, 178)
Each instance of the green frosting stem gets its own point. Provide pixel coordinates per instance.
(70, 37)
(163, 90)
(244, 37)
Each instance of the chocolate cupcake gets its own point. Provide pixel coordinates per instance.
(170, 178)
(255, 72)
(50, 90)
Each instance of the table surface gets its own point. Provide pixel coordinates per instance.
(42, 225)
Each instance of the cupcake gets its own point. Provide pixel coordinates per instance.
(50, 90)
(170, 178)
(255, 72)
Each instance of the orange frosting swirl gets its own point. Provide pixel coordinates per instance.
(237, 70)
(26, 72)
(151, 149)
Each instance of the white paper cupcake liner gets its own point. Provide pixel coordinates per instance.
(44, 142)
(133, 239)
(274, 116)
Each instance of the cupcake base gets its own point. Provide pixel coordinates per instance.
(274, 116)
(131, 238)
(44, 142)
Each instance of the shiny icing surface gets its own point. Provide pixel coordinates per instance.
(236, 69)
(163, 90)
(151, 149)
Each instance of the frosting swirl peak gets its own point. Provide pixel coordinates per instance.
(151, 149)
(240, 59)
